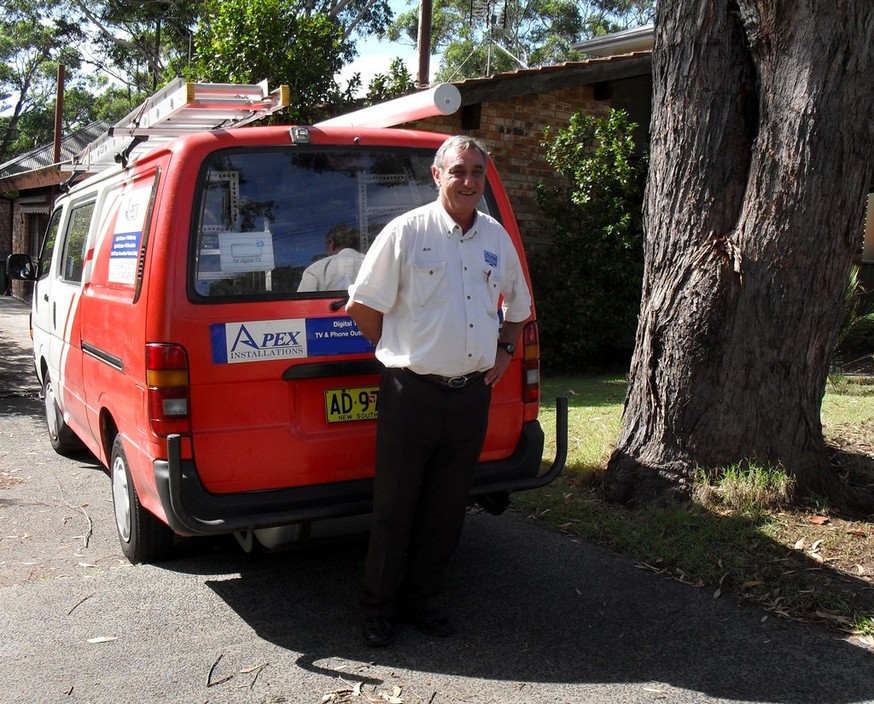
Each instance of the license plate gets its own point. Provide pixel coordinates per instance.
(358, 403)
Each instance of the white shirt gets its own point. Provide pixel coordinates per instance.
(333, 273)
(439, 290)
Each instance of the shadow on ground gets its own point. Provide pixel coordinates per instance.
(539, 607)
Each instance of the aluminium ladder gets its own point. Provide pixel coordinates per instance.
(177, 109)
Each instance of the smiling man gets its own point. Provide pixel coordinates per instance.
(427, 297)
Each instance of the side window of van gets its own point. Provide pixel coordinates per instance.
(266, 220)
(75, 243)
(48, 245)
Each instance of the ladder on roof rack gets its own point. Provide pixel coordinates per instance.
(177, 109)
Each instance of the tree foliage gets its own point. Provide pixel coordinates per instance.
(120, 51)
(34, 39)
(484, 37)
(396, 83)
(135, 42)
(247, 41)
(587, 281)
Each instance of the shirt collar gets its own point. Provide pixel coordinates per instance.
(450, 227)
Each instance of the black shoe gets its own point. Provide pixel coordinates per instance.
(432, 623)
(378, 632)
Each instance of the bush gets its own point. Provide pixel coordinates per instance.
(588, 281)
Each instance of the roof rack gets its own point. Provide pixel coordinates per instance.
(177, 109)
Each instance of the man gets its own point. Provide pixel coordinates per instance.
(336, 271)
(427, 297)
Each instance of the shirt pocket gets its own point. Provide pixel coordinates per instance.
(427, 284)
(494, 286)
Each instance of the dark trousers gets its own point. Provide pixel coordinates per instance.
(429, 438)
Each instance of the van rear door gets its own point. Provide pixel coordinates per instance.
(283, 386)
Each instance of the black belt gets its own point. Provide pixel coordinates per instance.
(452, 382)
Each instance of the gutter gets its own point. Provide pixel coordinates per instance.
(628, 41)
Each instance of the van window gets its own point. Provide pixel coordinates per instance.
(48, 246)
(76, 241)
(264, 215)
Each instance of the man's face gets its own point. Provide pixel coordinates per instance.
(461, 182)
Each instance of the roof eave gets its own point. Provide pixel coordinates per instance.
(35, 178)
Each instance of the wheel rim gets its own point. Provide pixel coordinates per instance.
(121, 498)
(52, 413)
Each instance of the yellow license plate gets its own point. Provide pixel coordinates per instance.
(358, 403)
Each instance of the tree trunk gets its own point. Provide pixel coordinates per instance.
(761, 160)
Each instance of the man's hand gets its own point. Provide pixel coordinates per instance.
(510, 332)
(502, 361)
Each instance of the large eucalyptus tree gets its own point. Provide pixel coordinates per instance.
(761, 158)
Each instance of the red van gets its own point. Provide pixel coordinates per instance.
(171, 340)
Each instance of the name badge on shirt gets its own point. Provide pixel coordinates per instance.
(490, 258)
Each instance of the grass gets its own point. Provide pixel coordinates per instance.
(742, 536)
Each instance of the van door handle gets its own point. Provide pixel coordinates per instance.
(45, 297)
(54, 315)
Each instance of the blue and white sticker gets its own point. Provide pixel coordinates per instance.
(490, 258)
(127, 234)
(330, 336)
(292, 338)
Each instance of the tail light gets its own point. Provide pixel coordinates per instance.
(530, 364)
(167, 382)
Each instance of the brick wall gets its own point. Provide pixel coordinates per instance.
(512, 129)
(5, 227)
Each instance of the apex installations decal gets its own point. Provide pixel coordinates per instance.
(266, 340)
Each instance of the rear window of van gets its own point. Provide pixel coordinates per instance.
(263, 216)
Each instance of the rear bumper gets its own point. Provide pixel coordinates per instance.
(192, 510)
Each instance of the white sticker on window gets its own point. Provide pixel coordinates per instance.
(126, 236)
(242, 252)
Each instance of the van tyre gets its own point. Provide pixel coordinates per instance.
(64, 441)
(143, 537)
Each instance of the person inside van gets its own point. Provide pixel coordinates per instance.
(427, 297)
(338, 270)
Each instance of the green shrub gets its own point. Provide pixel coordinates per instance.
(855, 336)
(587, 281)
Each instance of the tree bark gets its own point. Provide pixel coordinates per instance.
(761, 159)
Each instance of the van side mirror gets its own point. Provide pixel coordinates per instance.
(21, 267)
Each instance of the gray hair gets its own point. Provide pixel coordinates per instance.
(460, 142)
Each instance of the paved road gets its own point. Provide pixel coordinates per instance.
(543, 617)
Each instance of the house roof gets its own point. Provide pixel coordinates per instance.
(537, 80)
(36, 168)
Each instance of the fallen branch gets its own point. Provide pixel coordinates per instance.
(209, 682)
(79, 603)
(88, 533)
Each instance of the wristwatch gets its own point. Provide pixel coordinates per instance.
(508, 347)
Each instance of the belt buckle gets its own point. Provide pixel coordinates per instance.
(456, 382)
